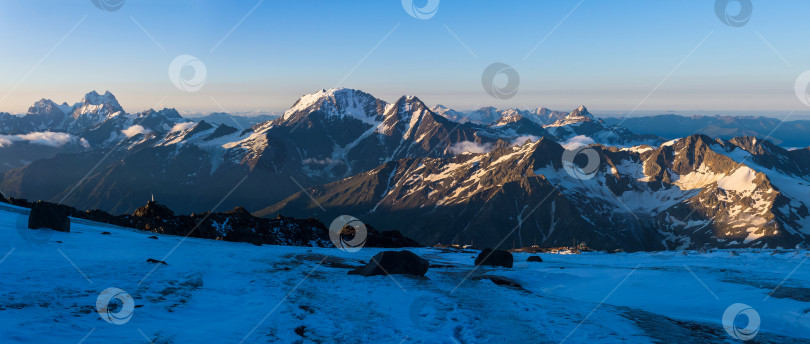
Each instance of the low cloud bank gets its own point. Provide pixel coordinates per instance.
(44, 138)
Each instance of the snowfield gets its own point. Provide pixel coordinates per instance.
(222, 292)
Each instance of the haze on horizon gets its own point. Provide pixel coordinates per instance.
(263, 55)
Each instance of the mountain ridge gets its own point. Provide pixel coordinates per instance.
(408, 167)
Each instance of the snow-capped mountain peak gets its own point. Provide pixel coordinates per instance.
(339, 102)
(579, 115)
(97, 105)
(93, 98)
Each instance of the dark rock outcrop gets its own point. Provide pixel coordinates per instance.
(534, 259)
(236, 225)
(388, 239)
(495, 258)
(153, 210)
(394, 262)
(49, 216)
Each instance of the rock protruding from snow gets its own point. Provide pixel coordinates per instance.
(495, 258)
(394, 263)
(45, 215)
(534, 259)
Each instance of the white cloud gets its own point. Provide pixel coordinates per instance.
(577, 141)
(45, 138)
(183, 126)
(520, 140)
(471, 147)
(327, 161)
(135, 130)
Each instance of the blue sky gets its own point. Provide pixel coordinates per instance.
(610, 56)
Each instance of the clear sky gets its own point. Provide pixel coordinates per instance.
(612, 56)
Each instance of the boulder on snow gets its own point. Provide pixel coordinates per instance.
(392, 263)
(495, 258)
(49, 215)
(534, 259)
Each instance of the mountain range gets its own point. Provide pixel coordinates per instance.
(786, 133)
(493, 177)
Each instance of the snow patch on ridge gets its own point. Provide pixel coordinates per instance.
(741, 180)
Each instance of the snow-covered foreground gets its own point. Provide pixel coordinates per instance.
(221, 292)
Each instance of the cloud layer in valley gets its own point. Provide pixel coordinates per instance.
(45, 138)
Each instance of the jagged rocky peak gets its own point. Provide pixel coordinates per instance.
(47, 106)
(439, 108)
(404, 116)
(165, 113)
(410, 103)
(579, 115)
(93, 98)
(97, 106)
(756, 146)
